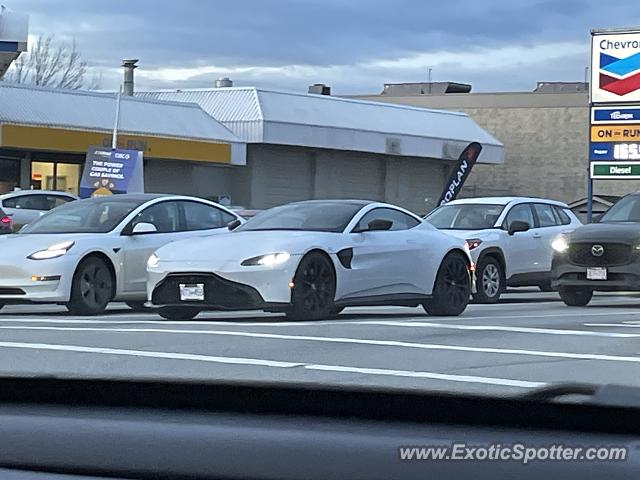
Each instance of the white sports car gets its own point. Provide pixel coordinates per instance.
(88, 252)
(310, 260)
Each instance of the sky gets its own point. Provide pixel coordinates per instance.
(355, 46)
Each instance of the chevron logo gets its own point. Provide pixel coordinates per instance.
(620, 76)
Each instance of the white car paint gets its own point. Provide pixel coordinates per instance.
(128, 255)
(525, 253)
(25, 206)
(383, 263)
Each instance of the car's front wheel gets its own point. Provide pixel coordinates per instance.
(314, 289)
(178, 313)
(575, 296)
(92, 287)
(489, 282)
(452, 288)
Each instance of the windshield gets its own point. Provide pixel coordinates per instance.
(84, 216)
(626, 210)
(312, 216)
(465, 216)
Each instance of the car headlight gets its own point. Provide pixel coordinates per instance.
(473, 243)
(54, 251)
(153, 261)
(560, 244)
(267, 260)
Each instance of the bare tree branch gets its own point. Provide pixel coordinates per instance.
(50, 63)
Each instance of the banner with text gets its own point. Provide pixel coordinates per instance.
(108, 172)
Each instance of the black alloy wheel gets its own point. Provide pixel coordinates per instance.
(314, 289)
(575, 296)
(92, 287)
(452, 289)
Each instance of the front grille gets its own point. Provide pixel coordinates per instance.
(218, 292)
(11, 291)
(614, 254)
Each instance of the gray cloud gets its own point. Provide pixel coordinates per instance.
(320, 34)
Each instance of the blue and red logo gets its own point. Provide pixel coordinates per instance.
(619, 76)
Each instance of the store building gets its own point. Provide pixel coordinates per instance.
(45, 134)
(545, 135)
(302, 146)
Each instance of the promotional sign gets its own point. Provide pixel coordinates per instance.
(620, 115)
(615, 67)
(109, 172)
(615, 170)
(615, 151)
(615, 133)
(466, 161)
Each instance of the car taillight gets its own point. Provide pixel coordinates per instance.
(5, 221)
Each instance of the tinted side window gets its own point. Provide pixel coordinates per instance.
(401, 221)
(203, 217)
(562, 216)
(26, 202)
(546, 217)
(521, 212)
(164, 216)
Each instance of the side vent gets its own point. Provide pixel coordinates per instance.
(345, 256)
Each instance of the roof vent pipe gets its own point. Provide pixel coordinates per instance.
(129, 67)
(224, 82)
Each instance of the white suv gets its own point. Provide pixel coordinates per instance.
(509, 237)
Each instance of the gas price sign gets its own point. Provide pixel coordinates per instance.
(626, 151)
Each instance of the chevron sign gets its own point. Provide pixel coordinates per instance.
(616, 68)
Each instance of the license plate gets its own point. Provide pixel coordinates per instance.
(192, 292)
(596, 273)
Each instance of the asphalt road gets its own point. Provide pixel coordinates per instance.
(529, 340)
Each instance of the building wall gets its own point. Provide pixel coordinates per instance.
(545, 138)
(277, 174)
(185, 178)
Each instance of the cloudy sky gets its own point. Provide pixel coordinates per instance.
(354, 45)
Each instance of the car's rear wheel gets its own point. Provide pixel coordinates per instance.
(178, 313)
(452, 288)
(575, 296)
(314, 289)
(92, 287)
(137, 306)
(489, 282)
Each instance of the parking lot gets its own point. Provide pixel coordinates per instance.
(528, 340)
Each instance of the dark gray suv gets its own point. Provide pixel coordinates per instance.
(602, 256)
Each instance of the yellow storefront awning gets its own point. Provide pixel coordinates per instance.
(26, 137)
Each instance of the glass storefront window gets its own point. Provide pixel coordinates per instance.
(63, 177)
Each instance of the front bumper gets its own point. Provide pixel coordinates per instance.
(52, 285)
(231, 288)
(619, 278)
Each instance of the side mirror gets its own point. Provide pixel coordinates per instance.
(234, 224)
(518, 226)
(143, 228)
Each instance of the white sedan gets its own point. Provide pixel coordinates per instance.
(310, 260)
(87, 253)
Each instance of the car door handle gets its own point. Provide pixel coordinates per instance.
(537, 235)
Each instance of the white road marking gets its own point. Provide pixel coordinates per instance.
(273, 322)
(358, 341)
(627, 325)
(499, 328)
(275, 364)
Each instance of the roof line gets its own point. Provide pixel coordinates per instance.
(315, 96)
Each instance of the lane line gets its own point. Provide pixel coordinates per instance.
(358, 341)
(106, 320)
(626, 325)
(275, 364)
(499, 328)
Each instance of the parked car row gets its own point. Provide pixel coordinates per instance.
(182, 255)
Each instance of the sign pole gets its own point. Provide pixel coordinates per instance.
(114, 137)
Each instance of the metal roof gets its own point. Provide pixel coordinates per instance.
(75, 109)
(286, 118)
